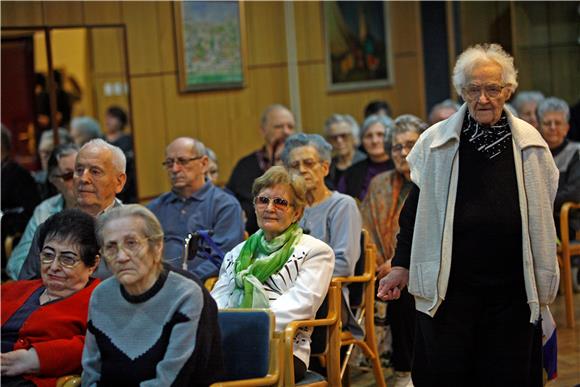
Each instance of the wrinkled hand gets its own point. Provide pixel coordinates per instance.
(19, 362)
(390, 286)
(383, 269)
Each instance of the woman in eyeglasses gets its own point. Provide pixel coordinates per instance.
(477, 242)
(278, 267)
(61, 164)
(150, 324)
(44, 321)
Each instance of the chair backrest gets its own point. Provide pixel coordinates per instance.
(356, 289)
(246, 336)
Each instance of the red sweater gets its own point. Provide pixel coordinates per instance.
(56, 330)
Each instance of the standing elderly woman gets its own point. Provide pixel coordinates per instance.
(44, 321)
(278, 267)
(355, 181)
(149, 324)
(342, 132)
(380, 211)
(477, 239)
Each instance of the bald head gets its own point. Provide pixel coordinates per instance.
(186, 163)
(277, 124)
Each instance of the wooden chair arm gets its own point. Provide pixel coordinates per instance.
(352, 279)
(68, 381)
(564, 220)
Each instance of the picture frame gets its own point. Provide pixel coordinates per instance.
(357, 45)
(210, 42)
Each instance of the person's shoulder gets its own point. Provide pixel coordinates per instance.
(19, 286)
(343, 200)
(225, 198)
(249, 161)
(357, 167)
(308, 244)
(183, 279)
(159, 200)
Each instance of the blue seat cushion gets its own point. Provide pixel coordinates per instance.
(245, 343)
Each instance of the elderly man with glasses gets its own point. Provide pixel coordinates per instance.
(195, 204)
(98, 176)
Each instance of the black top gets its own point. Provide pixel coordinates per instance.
(129, 192)
(240, 184)
(487, 235)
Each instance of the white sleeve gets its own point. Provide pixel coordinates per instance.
(225, 284)
(304, 298)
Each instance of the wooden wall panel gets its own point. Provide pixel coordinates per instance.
(108, 55)
(167, 53)
(102, 12)
(143, 37)
(149, 131)
(63, 13)
(309, 31)
(265, 32)
(21, 13)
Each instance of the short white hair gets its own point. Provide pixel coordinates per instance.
(484, 53)
(119, 160)
(524, 97)
(553, 105)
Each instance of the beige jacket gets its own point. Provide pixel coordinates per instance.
(434, 163)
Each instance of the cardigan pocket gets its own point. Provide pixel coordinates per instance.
(423, 279)
(547, 283)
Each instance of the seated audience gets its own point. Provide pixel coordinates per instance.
(212, 173)
(149, 324)
(44, 321)
(553, 115)
(45, 147)
(19, 195)
(342, 132)
(84, 129)
(276, 124)
(61, 165)
(356, 179)
(115, 122)
(526, 103)
(380, 211)
(99, 175)
(330, 216)
(442, 111)
(279, 267)
(377, 107)
(194, 204)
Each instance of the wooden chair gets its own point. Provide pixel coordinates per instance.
(68, 381)
(253, 352)
(365, 310)
(565, 251)
(332, 358)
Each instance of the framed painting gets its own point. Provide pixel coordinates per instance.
(357, 42)
(210, 44)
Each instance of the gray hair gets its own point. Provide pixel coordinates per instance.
(323, 148)
(64, 137)
(445, 104)
(408, 123)
(211, 155)
(347, 119)
(58, 153)
(268, 110)
(386, 121)
(524, 97)
(88, 127)
(119, 160)
(484, 53)
(553, 104)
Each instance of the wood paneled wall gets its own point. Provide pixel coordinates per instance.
(228, 121)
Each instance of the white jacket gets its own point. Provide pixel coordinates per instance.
(434, 163)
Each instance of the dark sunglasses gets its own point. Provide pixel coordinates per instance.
(264, 201)
(65, 176)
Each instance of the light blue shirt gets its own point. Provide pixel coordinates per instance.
(210, 208)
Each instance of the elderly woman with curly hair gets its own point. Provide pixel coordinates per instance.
(278, 267)
(477, 242)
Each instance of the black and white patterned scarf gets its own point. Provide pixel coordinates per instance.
(491, 140)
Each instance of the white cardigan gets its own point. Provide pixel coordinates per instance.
(434, 163)
(295, 292)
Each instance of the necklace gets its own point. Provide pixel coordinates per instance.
(48, 297)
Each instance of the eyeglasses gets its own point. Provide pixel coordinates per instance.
(490, 91)
(308, 163)
(65, 176)
(264, 201)
(181, 161)
(398, 148)
(341, 136)
(48, 257)
(131, 246)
